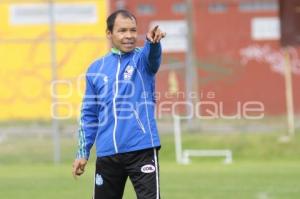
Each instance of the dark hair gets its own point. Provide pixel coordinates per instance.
(110, 21)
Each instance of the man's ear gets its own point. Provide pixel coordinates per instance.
(108, 34)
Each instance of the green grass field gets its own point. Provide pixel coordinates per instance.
(263, 168)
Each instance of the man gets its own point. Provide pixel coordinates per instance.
(118, 113)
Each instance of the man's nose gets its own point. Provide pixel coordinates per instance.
(129, 34)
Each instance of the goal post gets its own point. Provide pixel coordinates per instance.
(183, 155)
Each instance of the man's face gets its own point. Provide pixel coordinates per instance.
(124, 34)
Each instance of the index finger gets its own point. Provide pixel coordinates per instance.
(74, 171)
(74, 174)
(154, 29)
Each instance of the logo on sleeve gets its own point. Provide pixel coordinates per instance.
(128, 72)
(148, 168)
(98, 180)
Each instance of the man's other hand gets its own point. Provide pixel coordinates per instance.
(78, 167)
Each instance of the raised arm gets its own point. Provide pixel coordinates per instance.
(151, 52)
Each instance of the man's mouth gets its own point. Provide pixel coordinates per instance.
(128, 44)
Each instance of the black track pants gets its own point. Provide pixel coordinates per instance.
(140, 166)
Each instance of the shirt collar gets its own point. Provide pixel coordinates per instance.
(116, 51)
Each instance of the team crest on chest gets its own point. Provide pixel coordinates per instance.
(128, 72)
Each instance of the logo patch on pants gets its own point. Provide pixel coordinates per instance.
(148, 168)
(98, 180)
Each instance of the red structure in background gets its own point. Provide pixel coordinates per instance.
(290, 26)
(237, 51)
